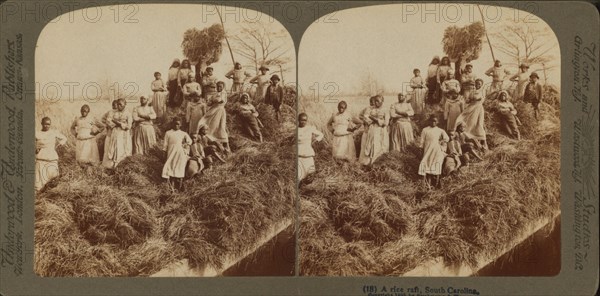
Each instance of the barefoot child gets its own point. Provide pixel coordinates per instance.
(174, 143)
(195, 164)
(249, 117)
(46, 158)
(468, 144)
(85, 129)
(454, 152)
(212, 148)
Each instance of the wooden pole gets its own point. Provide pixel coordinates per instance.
(226, 40)
(486, 34)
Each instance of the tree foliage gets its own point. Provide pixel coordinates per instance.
(203, 46)
(463, 44)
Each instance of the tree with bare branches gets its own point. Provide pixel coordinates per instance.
(258, 44)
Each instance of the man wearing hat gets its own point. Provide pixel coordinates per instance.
(498, 73)
(239, 76)
(533, 93)
(209, 83)
(522, 77)
(274, 95)
(262, 82)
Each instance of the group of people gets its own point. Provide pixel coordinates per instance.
(132, 132)
(445, 150)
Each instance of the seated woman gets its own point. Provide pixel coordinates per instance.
(212, 147)
(306, 153)
(85, 129)
(468, 144)
(249, 116)
(508, 113)
(342, 125)
(46, 158)
(176, 161)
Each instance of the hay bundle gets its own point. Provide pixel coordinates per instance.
(140, 170)
(105, 215)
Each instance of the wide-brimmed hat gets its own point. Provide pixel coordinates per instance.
(468, 66)
(263, 67)
(534, 75)
(209, 67)
(275, 77)
(523, 65)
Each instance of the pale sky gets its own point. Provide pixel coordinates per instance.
(390, 42)
(76, 50)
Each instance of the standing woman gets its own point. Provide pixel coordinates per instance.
(239, 76)
(306, 153)
(417, 83)
(262, 82)
(342, 125)
(467, 82)
(377, 139)
(183, 77)
(46, 158)
(401, 132)
(159, 96)
(215, 117)
(85, 129)
(433, 155)
(174, 143)
(106, 119)
(121, 142)
(172, 84)
(432, 84)
(443, 75)
(144, 136)
(473, 115)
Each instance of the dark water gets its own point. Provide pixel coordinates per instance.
(275, 258)
(538, 255)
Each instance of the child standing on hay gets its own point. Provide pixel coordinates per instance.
(195, 108)
(449, 87)
(508, 114)
(533, 93)
(417, 83)
(46, 158)
(174, 143)
(159, 95)
(85, 129)
(433, 155)
(342, 125)
(274, 96)
(144, 136)
(306, 153)
(249, 117)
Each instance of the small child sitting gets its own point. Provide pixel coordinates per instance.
(468, 144)
(195, 164)
(212, 149)
(454, 152)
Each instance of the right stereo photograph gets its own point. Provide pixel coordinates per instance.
(429, 142)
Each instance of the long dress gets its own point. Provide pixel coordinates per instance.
(121, 144)
(343, 140)
(452, 109)
(433, 153)
(86, 147)
(209, 85)
(216, 117)
(144, 136)
(176, 153)
(194, 111)
(46, 158)
(306, 153)
(174, 99)
(107, 140)
(467, 84)
(401, 132)
(432, 85)
(473, 116)
(522, 80)
(262, 82)
(377, 139)
(249, 117)
(159, 98)
(419, 94)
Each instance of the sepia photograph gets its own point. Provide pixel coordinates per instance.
(165, 143)
(429, 142)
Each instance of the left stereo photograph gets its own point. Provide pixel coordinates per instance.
(165, 144)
